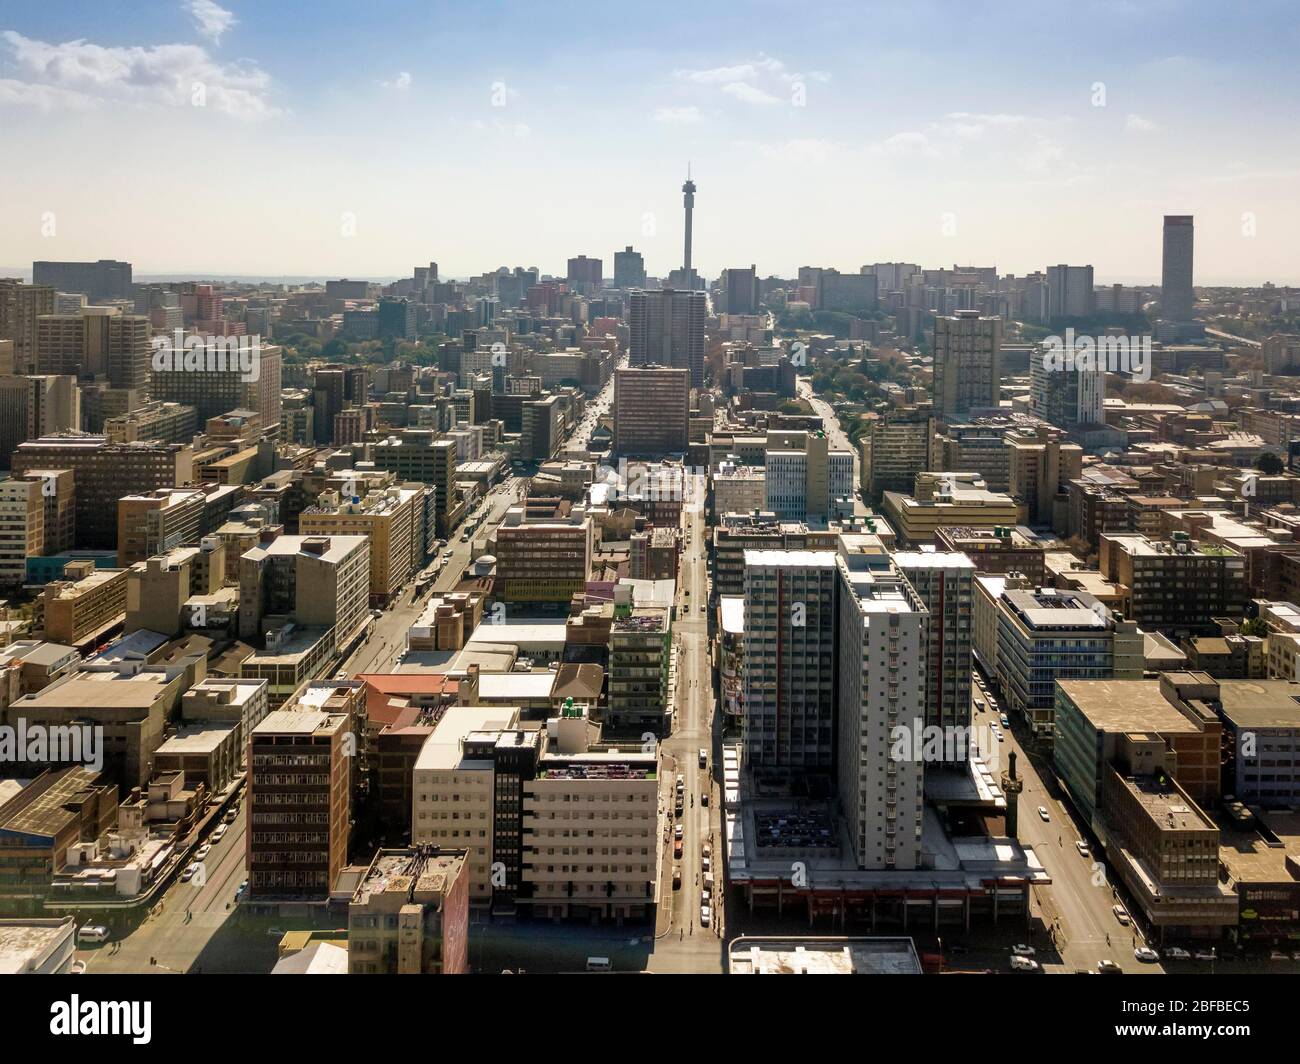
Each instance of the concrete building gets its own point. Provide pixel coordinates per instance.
(1177, 297)
(591, 826)
(894, 449)
(1046, 635)
(299, 803)
(318, 581)
(881, 644)
(651, 411)
(34, 406)
(1176, 586)
(789, 688)
(85, 605)
(389, 519)
(103, 472)
(410, 915)
(22, 530)
(98, 281)
(666, 328)
(1000, 549)
(944, 582)
(967, 364)
(1070, 292)
(942, 499)
(545, 560)
(640, 641)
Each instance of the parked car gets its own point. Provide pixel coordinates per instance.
(677, 832)
(1205, 955)
(92, 933)
(1042, 814)
(1006, 721)
(203, 851)
(677, 879)
(1082, 847)
(190, 869)
(1177, 953)
(704, 916)
(704, 797)
(1121, 915)
(1023, 964)
(1022, 950)
(1146, 954)
(219, 834)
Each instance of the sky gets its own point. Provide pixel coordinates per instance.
(342, 139)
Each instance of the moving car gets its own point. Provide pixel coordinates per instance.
(1146, 954)
(92, 933)
(1109, 968)
(1121, 915)
(1042, 814)
(1023, 964)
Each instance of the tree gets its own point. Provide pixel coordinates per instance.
(1269, 464)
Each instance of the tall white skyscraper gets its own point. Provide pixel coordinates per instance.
(880, 711)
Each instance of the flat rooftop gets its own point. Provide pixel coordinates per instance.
(24, 942)
(1261, 703)
(1168, 806)
(823, 956)
(1126, 705)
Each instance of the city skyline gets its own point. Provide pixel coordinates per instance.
(1018, 165)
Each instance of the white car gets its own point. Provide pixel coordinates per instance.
(219, 834)
(1146, 954)
(1042, 814)
(1109, 968)
(92, 933)
(704, 916)
(1023, 964)
(203, 851)
(1205, 955)
(190, 869)
(1081, 846)
(1021, 950)
(677, 832)
(1121, 915)
(1177, 953)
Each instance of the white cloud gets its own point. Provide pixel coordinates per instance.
(401, 83)
(763, 81)
(679, 116)
(747, 93)
(79, 74)
(1138, 124)
(211, 19)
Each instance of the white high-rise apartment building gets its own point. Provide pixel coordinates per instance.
(882, 655)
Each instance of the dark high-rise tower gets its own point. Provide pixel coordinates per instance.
(1176, 293)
